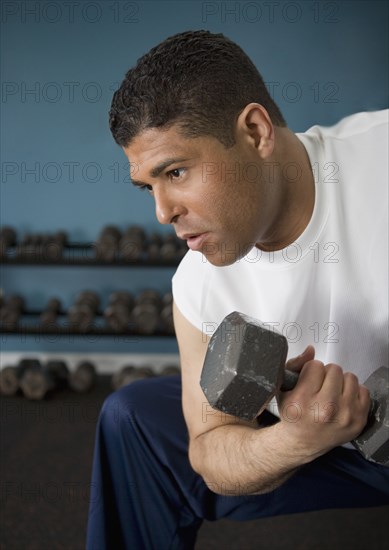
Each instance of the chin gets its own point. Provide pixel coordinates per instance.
(220, 258)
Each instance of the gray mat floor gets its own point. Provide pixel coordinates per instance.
(46, 451)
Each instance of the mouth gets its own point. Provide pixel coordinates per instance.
(194, 241)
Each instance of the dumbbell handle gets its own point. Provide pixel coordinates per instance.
(289, 380)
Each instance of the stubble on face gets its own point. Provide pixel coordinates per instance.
(232, 194)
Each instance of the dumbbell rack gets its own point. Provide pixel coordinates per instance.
(87, 255)
(97, 329)
(75, 254)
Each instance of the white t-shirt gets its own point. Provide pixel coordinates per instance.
(330, 287)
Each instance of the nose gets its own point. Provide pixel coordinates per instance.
(167, 208)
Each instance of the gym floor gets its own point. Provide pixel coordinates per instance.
(46, 457)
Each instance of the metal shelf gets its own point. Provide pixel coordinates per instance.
(82, 255)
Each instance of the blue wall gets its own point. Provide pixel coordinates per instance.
(61, 62)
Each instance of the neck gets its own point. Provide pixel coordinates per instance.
(296, 197)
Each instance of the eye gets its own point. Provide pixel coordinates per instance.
(145, 188)
(176, 173)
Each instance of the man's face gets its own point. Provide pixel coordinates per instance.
(221, 201)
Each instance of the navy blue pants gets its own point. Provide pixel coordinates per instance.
(145, 495)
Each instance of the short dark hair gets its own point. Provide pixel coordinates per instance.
(197, 80)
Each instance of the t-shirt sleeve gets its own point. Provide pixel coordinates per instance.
(190, 287)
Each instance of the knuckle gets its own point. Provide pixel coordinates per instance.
(334, 368)
(351, 378)
(314, 364)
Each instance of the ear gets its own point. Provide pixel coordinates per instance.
(256, 129)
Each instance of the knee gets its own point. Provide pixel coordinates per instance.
(127, 403)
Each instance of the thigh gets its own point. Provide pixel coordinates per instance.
(338, 479)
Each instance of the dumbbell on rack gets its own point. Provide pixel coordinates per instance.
(169, 248)
(42, 246)
(38, 380)
(166, 314)
(118, 311)
(108, 243)
(7, 239)
(130, 373)
(170, 370)
(133, 243)
(165, 248)
(11, 312)
(49, 315)
(10, 376)
(153, 247)
(145, 315)
(82, 313)
(83, 378)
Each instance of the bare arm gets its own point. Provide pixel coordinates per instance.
(238, 457)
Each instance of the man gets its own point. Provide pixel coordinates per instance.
(290, 229)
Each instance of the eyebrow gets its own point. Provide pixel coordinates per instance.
(155, 172)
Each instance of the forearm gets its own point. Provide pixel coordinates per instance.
(236, 459)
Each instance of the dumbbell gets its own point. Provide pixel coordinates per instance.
(83, 378)
(169, 248)
(166, 315)
(37, 381)
(145, 315)
(153, 247)
(133, 243)
(29, 246)
(52, 246)
(130, 373)
(118, 311)
(7, 239)
(170, 370)
(108, 243)
(11, 312)
(42, 246)
(49, 316)
(82, 313)
(10, 376)
(244, 368)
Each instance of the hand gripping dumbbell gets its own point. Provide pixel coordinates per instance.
(244, 368)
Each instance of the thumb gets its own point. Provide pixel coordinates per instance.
(296, 363)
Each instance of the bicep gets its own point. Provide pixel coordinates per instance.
(199, 416)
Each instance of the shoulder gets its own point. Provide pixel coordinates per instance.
(205, 293)
(353, 125)
(190, 285)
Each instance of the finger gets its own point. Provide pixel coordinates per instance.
(296, 363)
(350, 386)
(334, 380)
(353, 389)
(312, 375)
